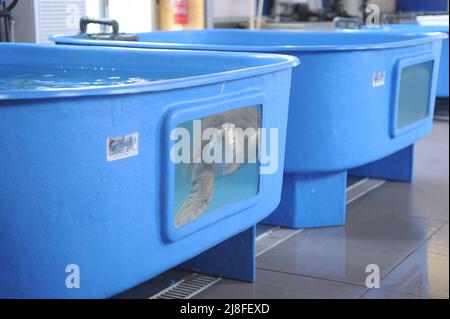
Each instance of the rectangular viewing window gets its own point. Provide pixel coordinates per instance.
(414, 93)
(219, 163)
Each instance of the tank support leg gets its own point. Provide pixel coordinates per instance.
(397, 167)
(233, 259)
(311, 200)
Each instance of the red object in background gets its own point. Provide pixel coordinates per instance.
(180, 11)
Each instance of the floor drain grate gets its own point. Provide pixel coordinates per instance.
(362, 187)
(188, 287)
(272, 238)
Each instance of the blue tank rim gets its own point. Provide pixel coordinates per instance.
(274, 63)
(417, 39)
(409, 28)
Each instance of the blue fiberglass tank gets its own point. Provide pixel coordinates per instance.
(88, 181)
(443, 83)
(360, 98)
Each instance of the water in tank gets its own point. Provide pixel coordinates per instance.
(218, 165)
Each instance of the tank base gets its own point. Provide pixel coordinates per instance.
(396, 167)
(311, 200)
(233, 259)
(319, 200)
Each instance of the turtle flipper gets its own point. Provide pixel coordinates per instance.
(200, 196)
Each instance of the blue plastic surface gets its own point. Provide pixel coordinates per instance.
(62, 203)
(234, 258)
(343, 105)
(397, 167)
(422, 6)
(311, 200)
(256, 40)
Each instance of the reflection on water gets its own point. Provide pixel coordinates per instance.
(16, 77)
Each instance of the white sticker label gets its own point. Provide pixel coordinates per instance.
(121, 147)
(378, 79)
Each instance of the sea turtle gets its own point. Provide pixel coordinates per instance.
(204, 174)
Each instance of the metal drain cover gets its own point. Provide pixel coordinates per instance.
(272, 238)
(188, 287)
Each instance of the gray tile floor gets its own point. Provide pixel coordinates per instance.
(403, 228)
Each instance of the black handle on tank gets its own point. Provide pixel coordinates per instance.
(85, 21)
(12, 5)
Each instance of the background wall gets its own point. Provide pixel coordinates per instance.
(36, 20)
